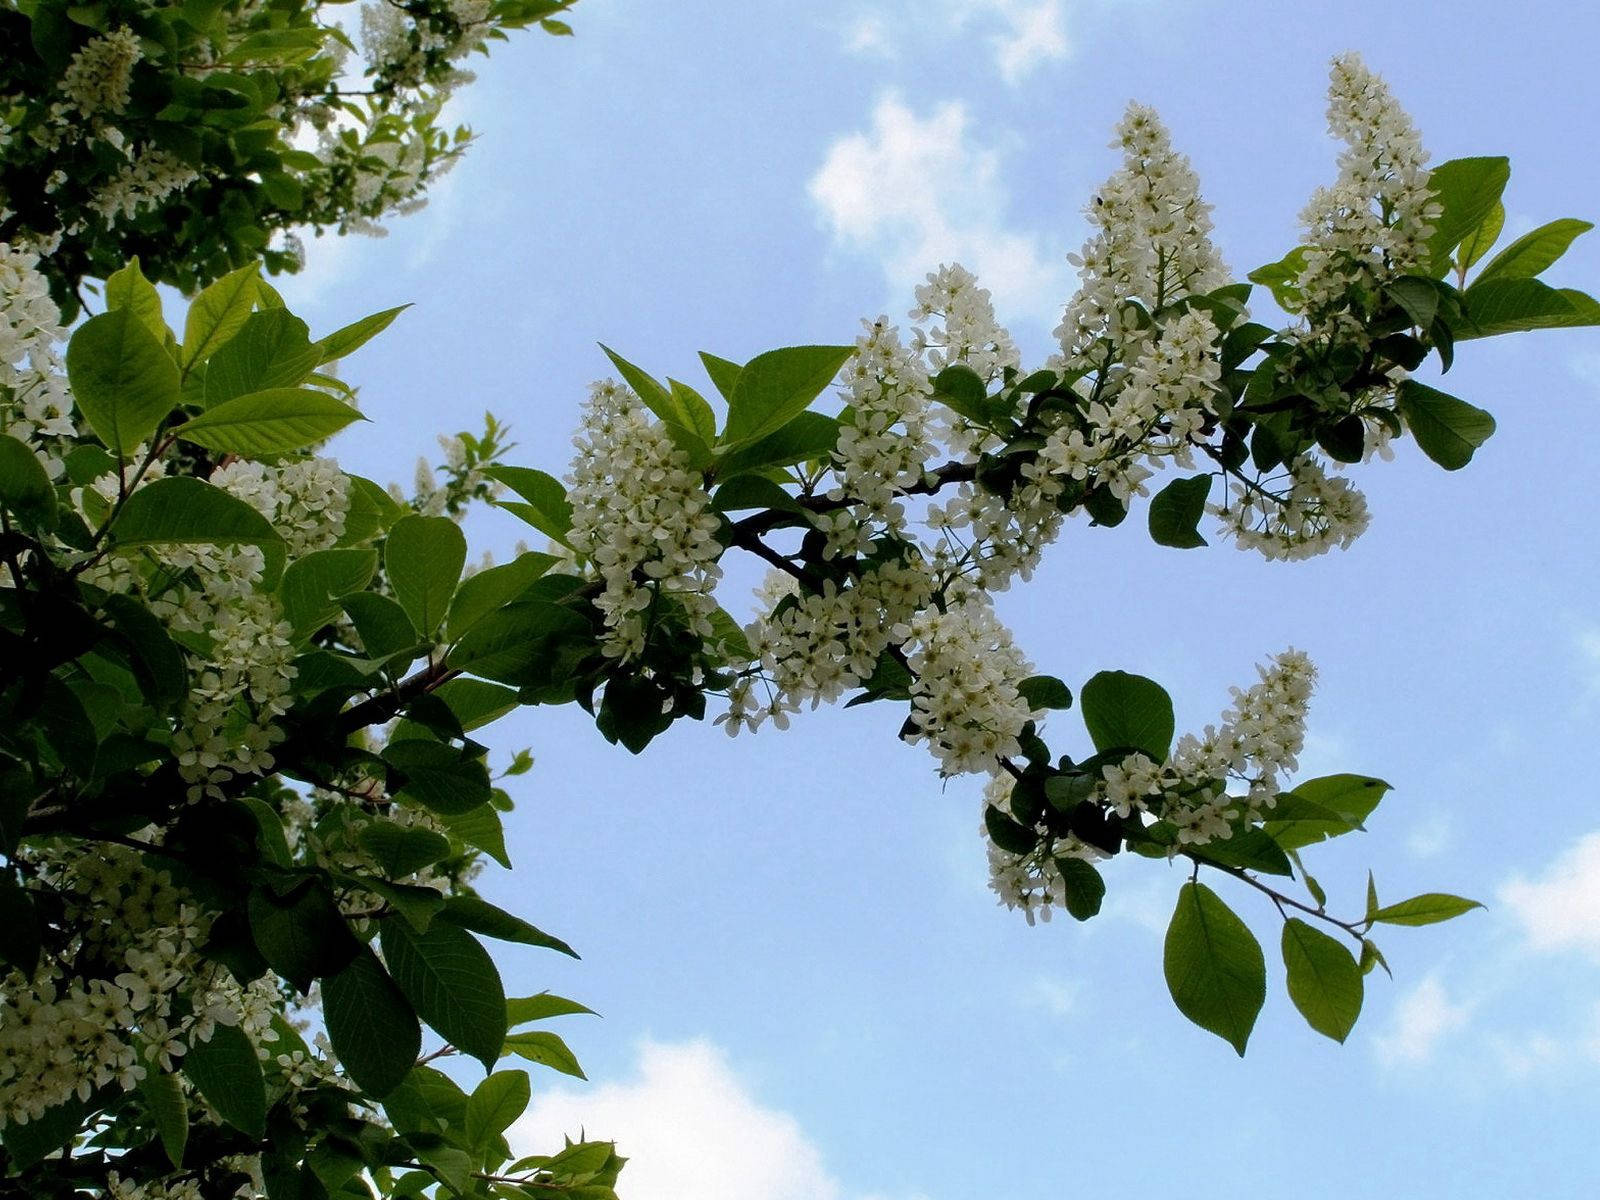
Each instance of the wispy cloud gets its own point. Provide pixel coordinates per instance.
(915, 190)
(690, 1129)
(1422, 1019)
(1020, 35)
(1560, 910)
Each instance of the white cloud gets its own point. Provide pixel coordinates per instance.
(1561, 909)
(1588, 646)
(690, 1130)
(916, 191)
(1054, 996)
(1422, 1018)
(1430, 837)
(1022, 35)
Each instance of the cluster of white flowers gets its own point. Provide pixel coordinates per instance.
(886, 447)
(400, 41)
(1031, 882)
(1318, 512)
(967, 331)
(641, 517)
(34, 404)
(146, 996)
(96, 81)
(819, 646)
(306, 500)
(1374, 222)
(1152, 242)
(148, 177)
(993, 539)
(966, 672)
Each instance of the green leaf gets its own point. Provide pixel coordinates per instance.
(271, 350)
(402, 849)
(962, 390)
(314, 585)
(475, 702)
(1324, 979)
(494, 1104)
(696, 413)
(129, 289)
(808, 437)
(1531, 253)
(724, 375)
(226, 1071)
(169, 1111)
(1323, 808)
(522, 1009)
(1282, 278)
(1478, 243)
(218, 313)
(682, 410)
(1448, 430)
(478, 915)
(481, 829)
(1427, 909)
(546, 1049)
(546, 507)
(1084, 889)
(1248, 849)
(775, 387)
(29, 1143)
(522, 644)
(1045, 691)
(184, 510)
(451, 982)
(1418, 297)
(352, 337)
(268, 423)
(1467, 190)
(1176, 511)
(1214, 966)
(1508, 305)
(1124, 711)
(423, 557)
(123, 380)
(302, 935)
(381, 624)
(19, 928)
(483, 592)
(25, 488)
(1372, 957)
(375, 1033)
(442, 778)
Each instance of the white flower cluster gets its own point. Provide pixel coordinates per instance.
(994, 539)
(140, 990)
(641, 517)
(887, 445)
(1031, 882)
(306, 500)
(148, 177)
(967, 332)
(1318, 512)
(400, 40)
(34, 404)
(96, 80)
(821, 645)
(966, 671)
(1153, 242)
(1164, 400)
(1374, 222)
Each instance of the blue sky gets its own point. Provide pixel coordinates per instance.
(808, 993)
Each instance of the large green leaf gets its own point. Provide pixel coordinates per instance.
(129, 289)
(271, 350)
(25, 488)
(478, 915)
(809, 436)
(1176, 511)
(544, 501)
(30, 1142)
(451, 982)
(724, 374)
(1531, 253)
(183, 510)
(1214, 966)
(1511, 305)
(218, 313)
(169, 1110)
(522, 1009)
(269, 422)
(494, 1104)
(314, 585)
(484, 591)
(440, 777)
(1324, 979)
(1479, 242)
(1427, 909)
(226, 1071)
(302, 935)
(355, 335)
(1124, 711)
(1084, 889)
(775, 387)
(423, 557)
(1467, 189)
(545, 1048)
(529, 643)
(374, 1030)
(1448, 429)
(123, 380)
(401, 850)
(1323, 808)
